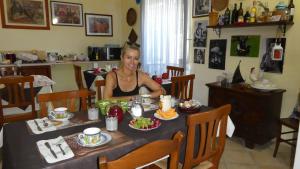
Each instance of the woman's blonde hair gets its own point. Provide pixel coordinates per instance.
(127, 46)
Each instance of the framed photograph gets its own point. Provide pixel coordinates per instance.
(217, 54)
(21, 14)
(199, 56)
(201, 8)
(267, 63)
(66, 14)
(200, 33)
(98, 25)
(245, 46)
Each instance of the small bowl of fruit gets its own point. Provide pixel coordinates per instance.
(144, 124)
(190, 106)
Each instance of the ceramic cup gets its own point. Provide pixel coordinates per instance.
(91, 135)
(59, 113)
(93, 114)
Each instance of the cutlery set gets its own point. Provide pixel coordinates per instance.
(47, 144)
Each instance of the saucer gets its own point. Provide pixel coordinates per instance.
(161, 118)
(69, 116)
(105, 138)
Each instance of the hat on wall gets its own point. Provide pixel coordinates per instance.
(219, 5)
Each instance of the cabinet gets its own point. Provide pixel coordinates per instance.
(255, 114)
(36, 70)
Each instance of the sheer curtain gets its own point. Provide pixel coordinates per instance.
(162, 34)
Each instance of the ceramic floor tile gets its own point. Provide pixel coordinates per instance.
(238, 156)
(264, 157)
(273, 167)
(241, 166)
(234, 143)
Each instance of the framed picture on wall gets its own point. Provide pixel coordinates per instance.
(66, 14)
(98, 25)
(20, 14)
(201, 8)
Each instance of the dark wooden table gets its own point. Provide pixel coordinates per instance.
(254, 113)
(20, 149)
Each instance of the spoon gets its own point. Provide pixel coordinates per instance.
(45, 123)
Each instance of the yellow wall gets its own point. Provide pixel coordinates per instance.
(289, 79)
(68, 39)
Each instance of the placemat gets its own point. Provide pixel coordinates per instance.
(118, 140)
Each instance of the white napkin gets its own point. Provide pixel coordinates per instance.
(41, 122)
(230, 128)
(49, 157)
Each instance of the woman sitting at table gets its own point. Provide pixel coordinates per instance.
(125, 82)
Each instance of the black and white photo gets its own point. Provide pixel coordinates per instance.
(201, 8)
(268, 64)
(217, 53)
(200, 33)
(199, 56)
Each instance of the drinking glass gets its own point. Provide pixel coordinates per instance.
(111, 123)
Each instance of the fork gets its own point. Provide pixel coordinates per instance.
(59, 145)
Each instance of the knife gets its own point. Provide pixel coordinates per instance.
(49, 147)
(38, 127)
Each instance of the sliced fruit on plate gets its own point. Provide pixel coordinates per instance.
(145, 123)
(171, 113)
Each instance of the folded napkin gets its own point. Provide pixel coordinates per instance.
(58, 149)
(39, 126)
(230, 128)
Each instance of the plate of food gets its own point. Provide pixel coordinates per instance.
(190, 106)
(168, 115)
(144, 124)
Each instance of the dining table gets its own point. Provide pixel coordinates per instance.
(20, 148)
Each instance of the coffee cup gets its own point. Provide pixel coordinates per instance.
(59, 113)
(93, 114)
(90, 136)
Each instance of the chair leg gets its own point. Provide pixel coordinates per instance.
(278, 140)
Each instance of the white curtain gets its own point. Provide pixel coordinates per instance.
(162, 34)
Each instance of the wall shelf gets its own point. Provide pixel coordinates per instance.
(281, 24)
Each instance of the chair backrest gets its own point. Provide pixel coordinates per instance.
(63, 99)
(147, 154)
(78, 76)
(9, 71)
(18, 91)
(99, 84)
(174, 71)
(182, 86)
(210, 147)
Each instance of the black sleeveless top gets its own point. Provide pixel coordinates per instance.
(117, 92)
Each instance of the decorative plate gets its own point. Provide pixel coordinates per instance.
(131, 17)
(264, 88)
(105, 138)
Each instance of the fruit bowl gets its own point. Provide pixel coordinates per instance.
(191, 106)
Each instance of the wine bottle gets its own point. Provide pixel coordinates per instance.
(247, 17)
(253, 12)
(291, 8)
(241, 14)
(234, 14)
(227, 17)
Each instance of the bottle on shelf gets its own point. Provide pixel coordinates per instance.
(253, 12)
(247, 17)
(234, 14)
(227, 17)
(241, 14)
(291, 8)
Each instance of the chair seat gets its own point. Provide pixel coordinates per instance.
(290, 122)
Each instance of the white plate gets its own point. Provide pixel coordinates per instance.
(194, 104)
(146, 95)
(131, 126)
(264, 88)
(69, 116)
(105, 138)
(149, 106)
(161, 118)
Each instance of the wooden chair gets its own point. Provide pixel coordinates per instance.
(147, 154)
(99, 84)
(182, 86)
(79, 82)
(63, 99)
(174, 71)
(210, 147)
(15, 92)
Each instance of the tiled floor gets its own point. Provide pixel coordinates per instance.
(237, 156)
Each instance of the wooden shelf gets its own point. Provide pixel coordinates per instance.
(238, 25)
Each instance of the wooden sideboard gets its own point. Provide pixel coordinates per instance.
(255, 114)
(36, 70)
